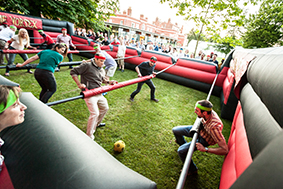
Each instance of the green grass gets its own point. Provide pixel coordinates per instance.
(144, 126)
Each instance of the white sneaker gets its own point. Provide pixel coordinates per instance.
(92, 137)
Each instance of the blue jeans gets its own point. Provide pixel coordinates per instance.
(12, 58)
(180, 132)
(151, 86)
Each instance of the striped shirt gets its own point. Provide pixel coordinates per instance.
(212, 131)
(65, 39)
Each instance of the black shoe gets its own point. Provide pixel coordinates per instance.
(155, 100)
(191, 173)
(131, 99)
(101, 125)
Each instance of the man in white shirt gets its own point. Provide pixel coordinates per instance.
(5, 34)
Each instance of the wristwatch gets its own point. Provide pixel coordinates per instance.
(206, 149)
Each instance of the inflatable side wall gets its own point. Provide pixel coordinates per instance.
(255, 143)
(54, 153)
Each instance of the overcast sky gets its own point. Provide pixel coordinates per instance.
(152, 9)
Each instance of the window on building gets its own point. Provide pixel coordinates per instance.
(133, 24)
(143, 26)
(121, 22)
(137, 26)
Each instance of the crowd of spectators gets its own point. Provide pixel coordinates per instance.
(176, 52)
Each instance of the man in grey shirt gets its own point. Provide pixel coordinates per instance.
(92, 76)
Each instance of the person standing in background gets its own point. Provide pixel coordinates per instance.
(18, 42)
(5, 34)
(64, 38)
(121, 54)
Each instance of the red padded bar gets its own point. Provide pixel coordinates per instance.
(196, 65)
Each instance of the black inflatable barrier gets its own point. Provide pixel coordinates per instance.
(57, 25)
(53, 153)
(5, 81)
(260, 126)
(228, 110)
(33, 66)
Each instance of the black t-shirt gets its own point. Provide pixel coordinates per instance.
(145, 68)
(105, 42)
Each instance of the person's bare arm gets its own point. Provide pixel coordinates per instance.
(221, 150)
(31, 59)
(79, 84)
(138, 71)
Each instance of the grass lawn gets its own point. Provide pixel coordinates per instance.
(145, 126)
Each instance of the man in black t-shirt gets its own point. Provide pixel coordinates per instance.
(146, 68)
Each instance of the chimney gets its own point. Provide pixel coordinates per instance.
(124, 12)
(141, 16)
(129, 11)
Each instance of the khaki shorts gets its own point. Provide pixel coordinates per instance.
(111, 71)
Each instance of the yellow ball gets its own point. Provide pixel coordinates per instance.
(119, 146)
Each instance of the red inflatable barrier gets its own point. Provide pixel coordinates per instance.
(32, 51)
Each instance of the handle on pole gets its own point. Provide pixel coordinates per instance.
(64, 100)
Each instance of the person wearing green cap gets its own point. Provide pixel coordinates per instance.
(47, 40)
(12, 111)
(210, 133)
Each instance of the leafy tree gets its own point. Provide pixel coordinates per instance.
(211, 14)
(194, 35)
(88, 14)
(265, 29)
(225, 44)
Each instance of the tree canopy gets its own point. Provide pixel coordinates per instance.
(194, 35)
(211, 15)
(225, 44)
(265, 29)
(88, 14)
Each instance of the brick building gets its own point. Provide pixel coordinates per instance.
(159, 31)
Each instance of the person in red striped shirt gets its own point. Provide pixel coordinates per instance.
(210, 133)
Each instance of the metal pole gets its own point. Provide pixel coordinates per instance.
(126, 57)
(194, 129)
(187, 163)
(64, 100)
(165, 69)
(103, 89)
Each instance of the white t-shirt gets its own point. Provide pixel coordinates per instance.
(6, 34)
(121, 50)
(16, 43)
